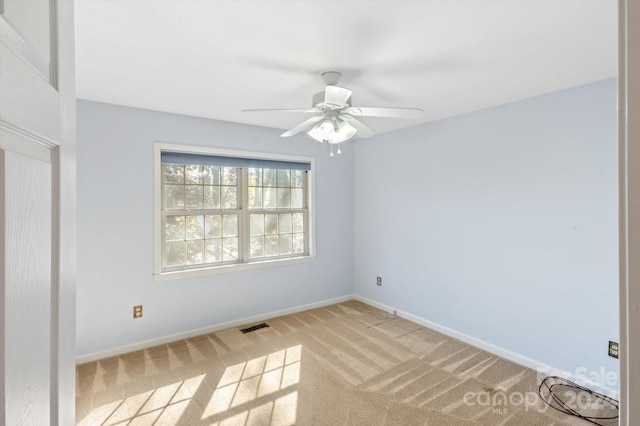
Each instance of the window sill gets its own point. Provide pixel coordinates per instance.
(168, 276)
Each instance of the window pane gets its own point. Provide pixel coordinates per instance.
(255, 198)
(211, 197)
(270, 223)
(174, 228)
(284, 178)
(284, 223)
(195, 227)
(297, 178)
(173, 174)
(257, 247)
(298, 243)
(270, 177)
(298, 222)
(211, 175)
(229, 197)
(229, 175)
(195, 252)
(255, 177)
(229, 249)
(296, 198)
(193, 174)
(284, 198)
(216, 178)
(176, 253)
(193, 197)
(284, 244)
(174, 197)
(271, 245)
(214, 250)
(257, 224)
(270, 198)
(213, 226)
(230, 226)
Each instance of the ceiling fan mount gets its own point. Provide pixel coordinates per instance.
(331, 78)
(335, 120)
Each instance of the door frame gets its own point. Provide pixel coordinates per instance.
(629, 207)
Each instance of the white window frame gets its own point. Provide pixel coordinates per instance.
(159, 275)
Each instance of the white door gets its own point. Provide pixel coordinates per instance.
(37, 212)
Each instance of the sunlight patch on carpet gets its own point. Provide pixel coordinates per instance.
(262, 377)
(163, 403)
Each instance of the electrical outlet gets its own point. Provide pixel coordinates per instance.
(379, 281)
(137, 311)
(613, 349)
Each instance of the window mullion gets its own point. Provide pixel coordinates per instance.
(163, 225)
(243, 183)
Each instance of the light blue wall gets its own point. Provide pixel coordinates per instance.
(500, 224)
(115, 231)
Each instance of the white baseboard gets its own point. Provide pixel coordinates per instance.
(496, 350)
(205, 330)
(375, 304)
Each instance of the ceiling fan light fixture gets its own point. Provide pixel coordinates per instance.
(332, 130)
(335, 120)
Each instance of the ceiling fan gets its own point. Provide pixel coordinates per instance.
(335, 118)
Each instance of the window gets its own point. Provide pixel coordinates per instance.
(222, 210)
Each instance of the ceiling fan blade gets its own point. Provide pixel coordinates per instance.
(363, 131)
(303, 127)
(312, 110)
(336, 95)
(408, 113)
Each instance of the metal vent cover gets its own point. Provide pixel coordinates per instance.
(254, 328)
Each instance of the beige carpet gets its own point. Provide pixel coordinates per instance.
(345, 364)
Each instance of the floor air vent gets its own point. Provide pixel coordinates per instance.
(254, 328)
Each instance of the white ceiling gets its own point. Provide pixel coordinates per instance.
(213, 58)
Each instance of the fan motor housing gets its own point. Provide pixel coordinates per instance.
(318, 101)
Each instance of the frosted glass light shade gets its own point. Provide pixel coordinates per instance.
(332, 131)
